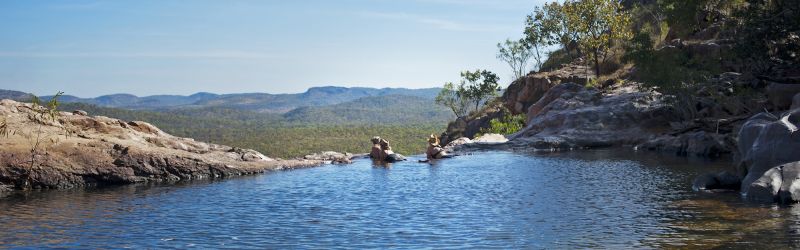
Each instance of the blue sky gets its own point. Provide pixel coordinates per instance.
(89, 48)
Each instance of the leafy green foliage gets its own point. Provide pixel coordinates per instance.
(455, 98)
(687, 17)
(594, 25)
(598, 23)
(37, 139)
(769, 34)
(481, 86)
(475, 88)
(508, 124)
(49, 109)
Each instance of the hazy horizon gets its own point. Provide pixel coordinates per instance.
(198, 92)
(90, 48)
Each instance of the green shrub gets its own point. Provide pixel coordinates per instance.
(508, 124)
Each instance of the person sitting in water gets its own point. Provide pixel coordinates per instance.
(376, 151)
(387, 154)
(434, 151)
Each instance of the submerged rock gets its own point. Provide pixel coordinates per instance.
(332, 157)
(722, 180)
(698, 143)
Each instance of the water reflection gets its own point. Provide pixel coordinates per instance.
(594, 199)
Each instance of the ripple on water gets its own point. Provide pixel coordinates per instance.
(588, 199)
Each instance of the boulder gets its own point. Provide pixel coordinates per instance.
(779, 184)
(571, 116)
(331, 157)
(766, 144)
(551, 96)
(525, 91)
(472, 125)
(782, 95)
(491, 138)
(80, 112)
(456, 144)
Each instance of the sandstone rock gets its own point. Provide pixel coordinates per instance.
(455, 144)
(110, 151)
(782, 95)
(80, 112)
(571, 116)
(145, 127)
(766, 144)
(524, 92)
(331, 157)
(551, 96)
(472, 125)
(491, 138)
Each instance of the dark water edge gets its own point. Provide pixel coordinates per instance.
(578, 199)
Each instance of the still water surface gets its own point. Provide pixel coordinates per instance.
(605, 199)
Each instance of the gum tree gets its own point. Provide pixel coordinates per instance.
(517, 54)
(598, 23)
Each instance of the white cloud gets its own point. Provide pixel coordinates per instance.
(134, 55)
(434, 22)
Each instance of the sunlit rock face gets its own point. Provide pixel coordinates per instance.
(573, 116)
(525, 91)
(76, 149)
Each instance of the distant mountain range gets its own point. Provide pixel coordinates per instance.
(14, 95)
(258, 102)
(392, 109)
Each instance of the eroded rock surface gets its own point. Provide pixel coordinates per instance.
(571, 116)
(334, 157)
(526, 91)
(79, 150)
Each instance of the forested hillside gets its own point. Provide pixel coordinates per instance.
(404, 120)
(259, 102)
(393, 109)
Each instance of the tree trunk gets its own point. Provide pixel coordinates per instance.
(596, 63)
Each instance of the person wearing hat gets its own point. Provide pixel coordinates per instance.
(376, 151)
(434, 151)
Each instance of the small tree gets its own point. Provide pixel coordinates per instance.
(455, 98)
(598, 24)
(517, 54)
(43, 114)
(481, 85)
(475, 88)
(544, 28)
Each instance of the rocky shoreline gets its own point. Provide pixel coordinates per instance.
(77, 150)
(564, 115)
